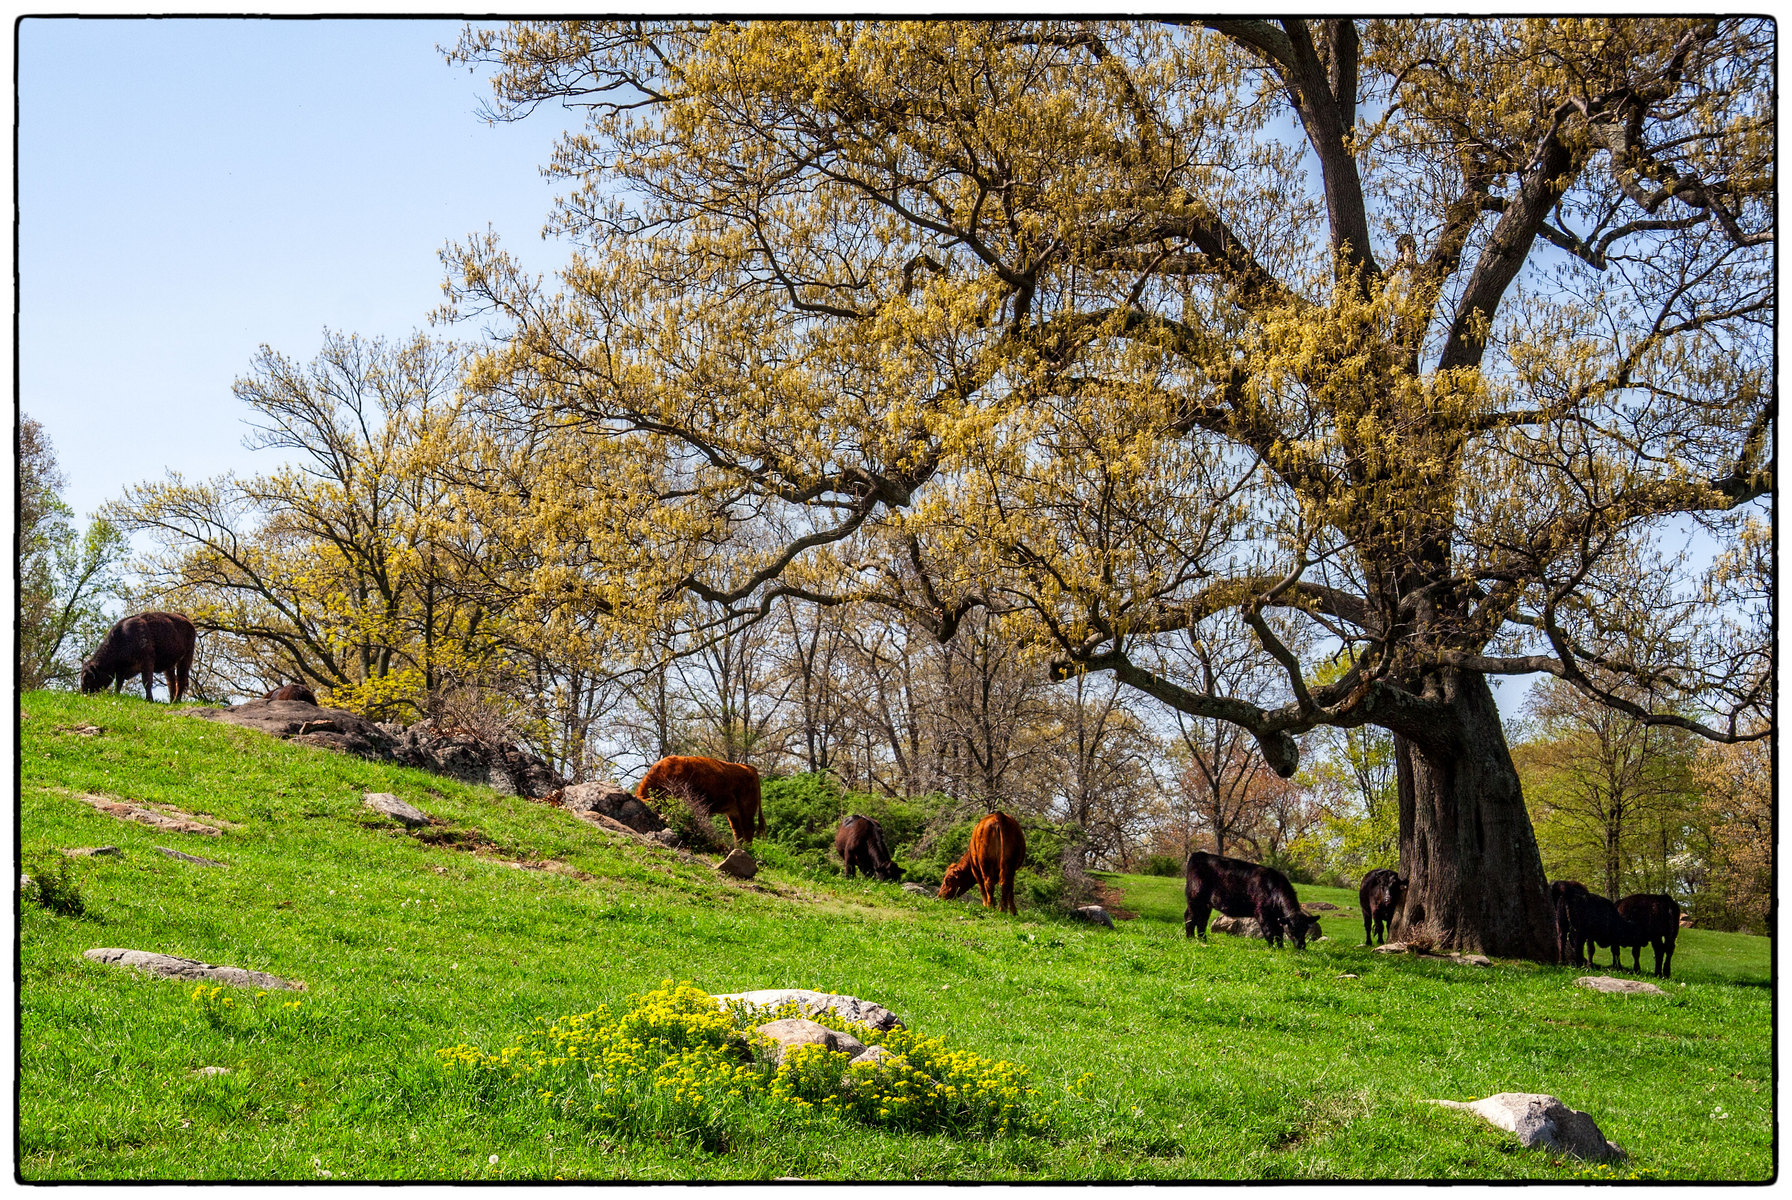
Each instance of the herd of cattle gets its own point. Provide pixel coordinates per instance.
(154, 643)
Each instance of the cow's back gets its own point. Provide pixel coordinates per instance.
(720, 788)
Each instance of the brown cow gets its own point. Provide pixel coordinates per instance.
(997, 849)
(143, 645)
(713, 788)
(292, 691)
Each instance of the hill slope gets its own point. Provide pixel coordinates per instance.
(1227, 1060)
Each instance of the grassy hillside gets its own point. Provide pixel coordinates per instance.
(1166, 1058)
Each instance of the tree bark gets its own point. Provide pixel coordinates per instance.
(1466, 845)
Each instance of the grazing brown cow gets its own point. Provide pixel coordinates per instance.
(860, 843)
(1656, 918)
(292, 691)
(997, 849)
(144, 645)
(712, 788)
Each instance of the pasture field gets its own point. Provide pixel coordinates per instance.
(1154, 1057)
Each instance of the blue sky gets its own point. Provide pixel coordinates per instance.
(191, 189)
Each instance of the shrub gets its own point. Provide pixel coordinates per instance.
(51, 880)
(678, 1064)
(1162, 864)
(690, 820)
(803, 812)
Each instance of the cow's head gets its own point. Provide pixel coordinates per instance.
(1397, 890)
(889, 872)
(957, 882)
(94, 678)
(1300, 927)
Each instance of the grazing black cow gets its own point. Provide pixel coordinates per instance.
(144, 645)
(1381, 894)
(292, 691)
(860, 842)
(1656, 919)
(1243, 889)
(1567, 945)
(1593, 921)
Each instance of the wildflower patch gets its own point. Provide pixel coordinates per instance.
(676, 1062)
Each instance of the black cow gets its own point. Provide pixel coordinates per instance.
(1381, 895)
(144, 645)
(1656, 919)
(292, 691)
(1243, 889)
(860, 842)
(1593, 921)
(1567, 945)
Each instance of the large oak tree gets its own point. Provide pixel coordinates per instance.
(1422, 345)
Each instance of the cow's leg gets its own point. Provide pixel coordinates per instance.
(173, 689)
(1667, 964)
(1368, 927)
(987, 887)
(1194, 920)
(1008, 895)
(149, 683)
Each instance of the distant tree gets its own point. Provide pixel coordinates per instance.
(1612, 797)
(1736, 826)
(67, 579)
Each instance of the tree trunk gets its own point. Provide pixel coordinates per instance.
(1465, 838)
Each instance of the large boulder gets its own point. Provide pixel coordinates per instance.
(847, 1008)
(1236, 926)
(792, 1032)
(1542, 1122)
(604, 798)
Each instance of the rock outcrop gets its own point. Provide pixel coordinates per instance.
(168, 966)
(429, 746)
(739, 864)
(1542, 1122)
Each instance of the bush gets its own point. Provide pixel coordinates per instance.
(803, 812)
(1162, 864)
(1041, 883)
(50, 880)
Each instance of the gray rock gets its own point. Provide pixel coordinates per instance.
(212, 1071)
(739, 864)
(872, 1056)
(847, 1008)
(94, 851)
(1542, 1122)
(792, 1032)
(606, 799)
(192, 858)
(1606, 983)
(392, 806)
(1095, 914)
(1236, 926)
(170, 967)
(918, 889)
(1313, 906)
(1391, 948)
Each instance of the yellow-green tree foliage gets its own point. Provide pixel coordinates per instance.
(1415, 337)
(353, 568)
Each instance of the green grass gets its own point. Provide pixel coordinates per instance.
(1226, 1060)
